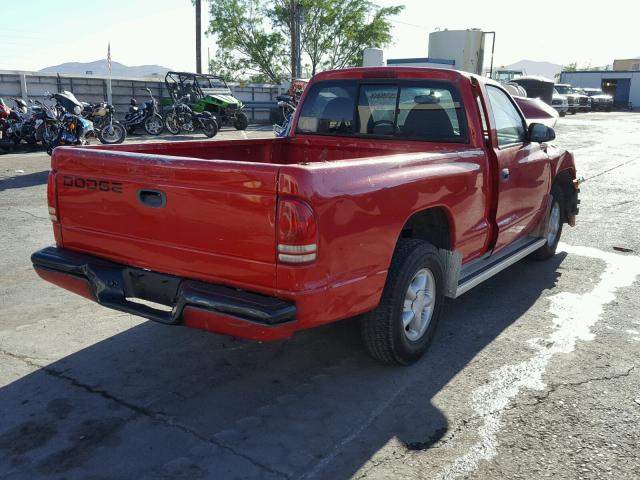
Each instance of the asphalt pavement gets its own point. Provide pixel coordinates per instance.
(533, 374)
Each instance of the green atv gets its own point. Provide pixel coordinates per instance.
(207, 93)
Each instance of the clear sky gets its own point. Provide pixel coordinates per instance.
(40, 33)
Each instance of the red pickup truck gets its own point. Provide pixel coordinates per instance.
(397, 187)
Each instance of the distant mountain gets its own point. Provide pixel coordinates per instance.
(99, 68)
(545, 69)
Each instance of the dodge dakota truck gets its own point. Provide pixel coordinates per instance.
(396, 188)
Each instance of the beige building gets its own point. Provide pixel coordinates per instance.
(626, 64)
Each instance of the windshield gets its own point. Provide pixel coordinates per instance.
(563, 89)
(507, 75)
(420, 110)
(593, 92)
(208, 82)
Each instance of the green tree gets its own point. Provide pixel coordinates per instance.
(254, 36)
(247, 48)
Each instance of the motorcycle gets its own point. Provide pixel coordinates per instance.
(21, 121)
(182, 118)
(46, 122)
(288, 109)
(6, 143)
(73, 127)
(146, 116)
(108, 130)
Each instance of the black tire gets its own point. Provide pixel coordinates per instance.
(172, 123)
(242, 121)
(152, 120)
(548, 250)
(118, 135)
(562, 114)
(130, 130)
(382, 329)
(209, 127)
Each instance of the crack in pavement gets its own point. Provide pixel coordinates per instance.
(164, 419)
(555, 386)
(29, 213)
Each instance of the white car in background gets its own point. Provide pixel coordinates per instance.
(560, 103)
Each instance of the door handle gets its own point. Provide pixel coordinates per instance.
(152, 198)
(504, 174)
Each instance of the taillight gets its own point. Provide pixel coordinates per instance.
(297, 232)
(51, 196)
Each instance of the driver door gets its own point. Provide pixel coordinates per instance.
(524, 170)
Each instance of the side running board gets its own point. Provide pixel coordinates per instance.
(481, 270)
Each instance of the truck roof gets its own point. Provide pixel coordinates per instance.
(395, 72)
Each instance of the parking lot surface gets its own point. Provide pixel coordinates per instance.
(533, 374)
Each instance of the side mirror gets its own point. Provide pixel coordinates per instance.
(540, 133)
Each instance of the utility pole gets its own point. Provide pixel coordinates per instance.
(294, 37)
(198, 37)
(298, 40)
(295, 14)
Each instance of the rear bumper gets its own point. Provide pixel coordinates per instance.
(191, 303)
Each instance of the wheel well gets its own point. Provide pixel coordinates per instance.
(564, 180)
(431, 225)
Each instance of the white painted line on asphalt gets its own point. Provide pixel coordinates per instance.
(574, 314)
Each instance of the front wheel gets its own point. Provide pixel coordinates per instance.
(112, 134)
(242, 121)
(172, 123)
(400, 329)
(47, 133)
(209, 127)
(153, 124)
(548, 250)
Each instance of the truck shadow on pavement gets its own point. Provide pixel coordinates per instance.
(166, 402)
(23, 181)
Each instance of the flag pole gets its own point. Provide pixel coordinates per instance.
(109, 97)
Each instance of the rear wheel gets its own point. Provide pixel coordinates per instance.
(242, 121)
(153, 125)
(548, 250)
(172, 123)
(400, 329)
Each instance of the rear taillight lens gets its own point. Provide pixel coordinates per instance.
(297, 232)
(51, 196)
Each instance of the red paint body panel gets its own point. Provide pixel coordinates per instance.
(218, 223)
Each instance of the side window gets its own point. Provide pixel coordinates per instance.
(328, 109)
(509, 124)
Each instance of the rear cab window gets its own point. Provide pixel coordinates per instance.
(411, 110)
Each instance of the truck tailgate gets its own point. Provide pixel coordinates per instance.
(207, 219)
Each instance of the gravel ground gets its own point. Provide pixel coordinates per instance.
(533, 374)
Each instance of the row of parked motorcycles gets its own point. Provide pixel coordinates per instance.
(67, 122)
(71, 122)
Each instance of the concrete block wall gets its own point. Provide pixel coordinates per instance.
(258, 99)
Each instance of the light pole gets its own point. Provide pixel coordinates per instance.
(198, 38)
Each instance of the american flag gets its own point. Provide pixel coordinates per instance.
(109, 57)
